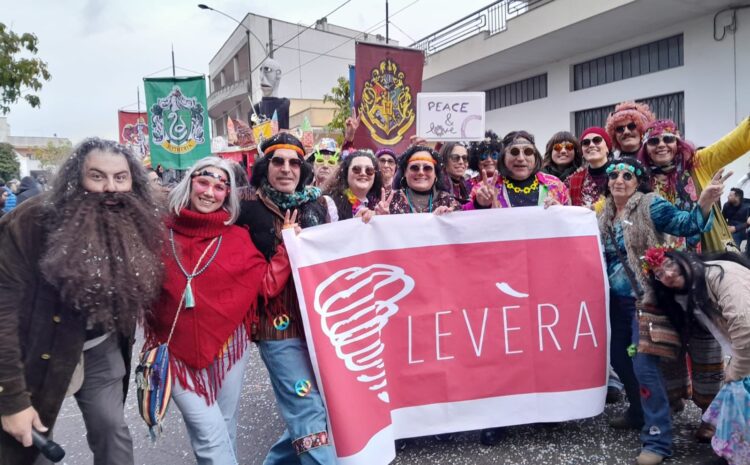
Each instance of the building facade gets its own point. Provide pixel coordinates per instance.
(551, 65)
(311, 62)
(24, 146)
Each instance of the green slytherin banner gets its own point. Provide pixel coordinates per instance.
(177, 120)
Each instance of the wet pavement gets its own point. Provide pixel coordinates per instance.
(589, 441)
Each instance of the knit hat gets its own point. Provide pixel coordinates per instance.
(385, 151)
(639, 113)
(599, 132)
(282, 140)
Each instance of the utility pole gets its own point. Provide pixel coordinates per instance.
(386, 21)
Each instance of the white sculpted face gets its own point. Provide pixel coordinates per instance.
(270, 76)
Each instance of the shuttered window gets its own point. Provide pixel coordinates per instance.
(525, 90)
(670, 106)
(637, 61)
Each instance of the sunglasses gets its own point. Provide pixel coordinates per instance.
(594, 140)
(631, 127)
(458, 158)
(279, 161)
(486, 155)
(321, 160)
(626, 175)
(386, 161)
(427, 169)
(515, 151)
(666, 267)
(560, 146)
(369, 170)
(667, 138)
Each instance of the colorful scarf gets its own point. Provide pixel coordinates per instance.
(290, 201)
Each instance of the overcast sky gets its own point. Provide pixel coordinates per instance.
(98, 51)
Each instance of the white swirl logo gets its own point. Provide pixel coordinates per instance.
(356, 313)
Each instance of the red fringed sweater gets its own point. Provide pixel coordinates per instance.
(225, 297)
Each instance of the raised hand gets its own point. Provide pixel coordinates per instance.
(487, 193)
(383, 207)
(350, 125)
(416, 140)
(712, 191)
(290, 221)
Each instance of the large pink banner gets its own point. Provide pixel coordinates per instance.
(466, 321)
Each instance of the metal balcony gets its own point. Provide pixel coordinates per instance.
(492, 19)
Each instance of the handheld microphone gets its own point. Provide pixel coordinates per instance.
(47, 447)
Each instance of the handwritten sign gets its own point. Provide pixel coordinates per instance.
(454, 116)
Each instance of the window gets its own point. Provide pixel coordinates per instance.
(670, 106)
(525, 90)
(644, 59)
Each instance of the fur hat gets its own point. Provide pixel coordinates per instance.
(639, 113)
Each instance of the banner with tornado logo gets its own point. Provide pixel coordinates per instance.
(464, 321)
(177, 121)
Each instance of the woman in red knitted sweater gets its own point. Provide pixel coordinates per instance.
(214, 276)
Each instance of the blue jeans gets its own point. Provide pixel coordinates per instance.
(621, 317)
(288, 362)
(656, 435)
(213, 428)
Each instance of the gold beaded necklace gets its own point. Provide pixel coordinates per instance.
(526, 190)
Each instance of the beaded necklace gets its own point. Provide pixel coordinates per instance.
(353, 200)
(526, 190)
(188, 294)
(411, 205)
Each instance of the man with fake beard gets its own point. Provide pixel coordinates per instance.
(79, 266)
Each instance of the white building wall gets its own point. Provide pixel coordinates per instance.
(716, 99)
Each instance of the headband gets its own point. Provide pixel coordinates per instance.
(276, 147)
(418, 157)
(625, 166)
(655, 256)
(210, 175)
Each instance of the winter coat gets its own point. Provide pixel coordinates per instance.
(28, 189)
(731, 297)
(41, 340)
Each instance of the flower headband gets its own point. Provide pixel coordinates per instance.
(655, 256)
(625, 166)
(216, 176)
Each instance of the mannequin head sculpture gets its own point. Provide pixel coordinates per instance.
(270, 76)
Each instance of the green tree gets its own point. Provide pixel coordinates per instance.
(53, 154)
(340, 97)
(19, 76)
(9, 166)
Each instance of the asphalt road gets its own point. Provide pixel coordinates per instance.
(589, 441)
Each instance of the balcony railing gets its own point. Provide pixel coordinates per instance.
(232, 90)
(492, 19)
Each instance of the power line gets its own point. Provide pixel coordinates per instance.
(402, 31)
(362, 34)
(300, 33)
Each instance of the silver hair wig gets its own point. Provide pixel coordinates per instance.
(179, 198)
